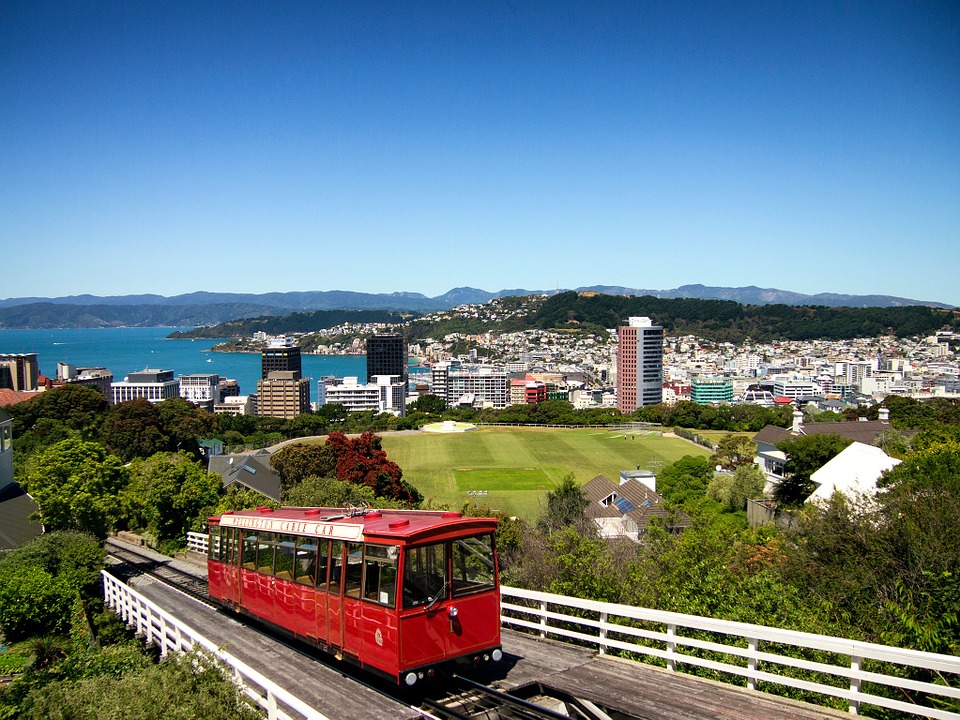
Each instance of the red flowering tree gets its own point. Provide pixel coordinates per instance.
(362, 461)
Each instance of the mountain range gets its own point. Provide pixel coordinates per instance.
(207, 308)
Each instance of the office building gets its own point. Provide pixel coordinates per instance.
(95, 377)
(710, 390)
(202, 389)
(639, 364)
(386, 355)
(19, 372)
(281, 355)
(283, 394)
(152, 385)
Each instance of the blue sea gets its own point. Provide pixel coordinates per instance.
(126, 350)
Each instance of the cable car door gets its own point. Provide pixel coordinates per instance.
(352, 609)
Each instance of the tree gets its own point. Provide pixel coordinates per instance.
(134, 429)
(748, 483)
(296, 462)
(565, 507)
(684, 482)
(429, 405)
(733, 451)
(77, 407)
(170, 494)
(77, 487)
(184, 424)
(805, 455)
(362, 461)
(41, 580)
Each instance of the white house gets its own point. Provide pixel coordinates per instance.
(854, 472)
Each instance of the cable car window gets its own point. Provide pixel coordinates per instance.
(232, 545)
(336, 566)
(249, 558)
(352, 578)
(473, 566)
(380, 574)
(265, 545)
(424, 574)
(213, 543)
(306, 562)
(283, 561)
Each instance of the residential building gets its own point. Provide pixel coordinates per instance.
(249, 470)
(474, 385)
(711, 390)
(283, 394)
(795, 387)
(625, 510)
(19, 372)
(534, 392)
(639, 364)
(387, 393)
(202, 389)
(280, 355)
(16, 506)
(386, 355)
(152, 385)
(853, 472)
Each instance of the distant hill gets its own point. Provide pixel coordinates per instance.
(208, 308)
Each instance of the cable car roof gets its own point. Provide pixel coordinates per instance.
(353, 524)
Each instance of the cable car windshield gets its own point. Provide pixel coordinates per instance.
(425, 570)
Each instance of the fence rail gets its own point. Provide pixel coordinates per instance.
(756, 653)
(168, 634)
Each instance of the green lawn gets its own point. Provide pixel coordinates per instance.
(512, 469)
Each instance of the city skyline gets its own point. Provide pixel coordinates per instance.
(167, 148)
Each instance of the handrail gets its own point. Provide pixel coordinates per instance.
(757, 653)
(161, 629)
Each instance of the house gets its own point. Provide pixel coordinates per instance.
(625, 510)
(854, 472)
(16, 506)
(251, 470)
(772, 460)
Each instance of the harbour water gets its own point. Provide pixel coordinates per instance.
(126, 350)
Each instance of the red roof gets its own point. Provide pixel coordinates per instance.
(783, 400)
(12, 397)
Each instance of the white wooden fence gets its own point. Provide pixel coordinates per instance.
(168, 634)
(754, 652)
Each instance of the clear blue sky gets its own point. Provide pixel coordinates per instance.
(168, 147)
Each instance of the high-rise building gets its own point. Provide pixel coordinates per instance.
(639, 364)
(283, 394)
(19, 372)
(280, 355)
(386, 355)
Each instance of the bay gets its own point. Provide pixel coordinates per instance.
(127, 350)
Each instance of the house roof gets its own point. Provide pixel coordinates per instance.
(865, 431)
(12, 397)
(250, 470)
(853, 472)
(630, 499)
(16, 507)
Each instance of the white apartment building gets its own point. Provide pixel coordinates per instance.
(796, 386)
(387, 393)
(202, 389)
(152, 385)
(480, 385)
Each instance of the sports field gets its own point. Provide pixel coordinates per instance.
(511, 469)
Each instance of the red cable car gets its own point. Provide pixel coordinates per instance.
(398, 592)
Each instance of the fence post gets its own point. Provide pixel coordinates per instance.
(543, 618)
(671, 647)
(603, 632)
(754, 645)
(856, 665)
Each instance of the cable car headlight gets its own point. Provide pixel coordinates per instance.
(452, 611)
(497, 655)
(410, 679)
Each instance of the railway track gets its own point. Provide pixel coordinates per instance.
(453, 698)
(129, 563)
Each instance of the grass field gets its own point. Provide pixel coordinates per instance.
(512, 469)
